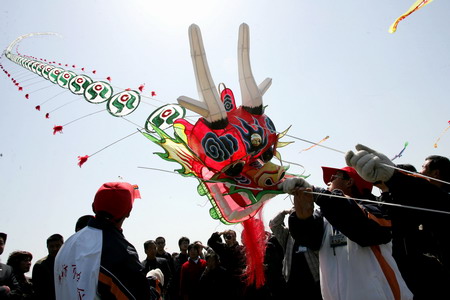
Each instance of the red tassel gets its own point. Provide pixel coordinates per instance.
(95, 71)
(73, 66)
(128, 89)
(20, 88)
(254, 240)
(141, 87)
(108, 78)
(47, 115)
(82, 69)
(66, 65)
(82, 160)
(38, 108)
(57, 128)
(153, 93)
(27, 96)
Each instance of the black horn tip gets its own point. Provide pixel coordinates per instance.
(220, 124)
(259, 110)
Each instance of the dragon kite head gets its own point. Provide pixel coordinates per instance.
(229, 148)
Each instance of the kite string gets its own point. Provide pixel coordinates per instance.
(114, 143)
(204, 180)
(380, 203)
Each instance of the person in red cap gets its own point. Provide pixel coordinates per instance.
(98, 261)
(352, 237)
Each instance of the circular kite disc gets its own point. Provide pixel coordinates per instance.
(98, 92)
(54, 73)
(39, 69)
(64, 78)
(79, 83)
(164, 116)
(46, 71)
(123, 103)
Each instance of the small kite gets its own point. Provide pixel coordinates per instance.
(401, 152)
(416, 6)
(439, 138)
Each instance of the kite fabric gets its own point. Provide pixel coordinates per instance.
(416, 6)
(95, 92)
(229, 149)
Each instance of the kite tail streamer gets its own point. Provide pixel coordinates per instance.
(254, 240)
(439, 138)
(315, 144)
(416, 6)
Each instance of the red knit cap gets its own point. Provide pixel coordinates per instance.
(115, 198)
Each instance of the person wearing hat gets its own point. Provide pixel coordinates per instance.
(420, 244)
(8, 282)
(98, 261)
(352, 237)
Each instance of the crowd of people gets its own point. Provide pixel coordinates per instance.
(341, 242)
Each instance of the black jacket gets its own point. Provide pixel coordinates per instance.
(121, 272)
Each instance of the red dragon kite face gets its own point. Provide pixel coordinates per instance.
(229, 148)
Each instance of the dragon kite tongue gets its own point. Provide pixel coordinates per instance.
(229, 148)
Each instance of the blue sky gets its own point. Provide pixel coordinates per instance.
(336, 72)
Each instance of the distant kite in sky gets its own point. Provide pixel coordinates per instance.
(439, 138)
(401, 152)
(416, 6)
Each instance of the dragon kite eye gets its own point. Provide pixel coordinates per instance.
(235, 169)
(267, 155)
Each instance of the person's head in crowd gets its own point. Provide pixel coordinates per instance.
(194, 251)
(54, 243)
(114, 201)
(160, 244)
(82, 222)
(150, 249)
(212, 260)
(3, 237)
(20, 261)
(183, 243)
(407, 167)
(230, 237)
(437, 167)
(347, 180)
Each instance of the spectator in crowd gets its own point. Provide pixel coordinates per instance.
(8, 282)
(179, 260)
(232, 258)
(98, 261)
(20, 261)
(43, 276)
(83, 222)
(191, 271)
(153, 262)
(214, 279)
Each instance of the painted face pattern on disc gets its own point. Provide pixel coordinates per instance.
(123, 103)
(54, 73)
(98, 92)
(64, 78)
(79, 83)
(164, 116)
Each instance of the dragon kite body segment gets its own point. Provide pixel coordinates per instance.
(229, 149)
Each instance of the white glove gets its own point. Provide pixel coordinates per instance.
(290, 184)
(370, 164)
